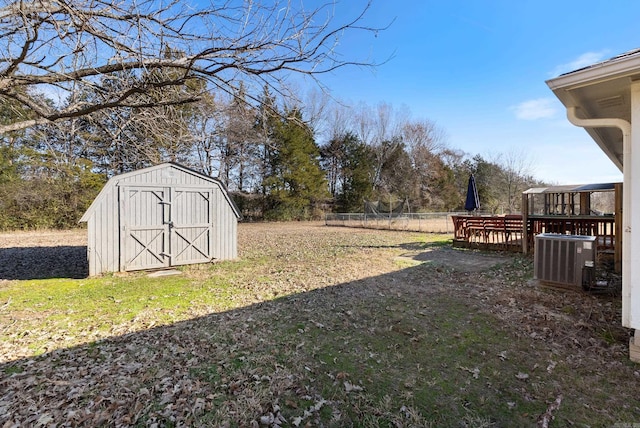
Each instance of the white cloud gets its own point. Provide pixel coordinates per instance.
(540, 108)
(584, 60)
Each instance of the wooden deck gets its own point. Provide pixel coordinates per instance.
(503, 233)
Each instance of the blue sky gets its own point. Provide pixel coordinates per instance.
(478, 70)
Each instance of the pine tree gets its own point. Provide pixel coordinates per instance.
(349, 165)
(296, 182)
(358, 169)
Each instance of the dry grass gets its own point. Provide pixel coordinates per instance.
(319, 326)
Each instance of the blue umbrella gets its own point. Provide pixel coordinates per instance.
(473, 201)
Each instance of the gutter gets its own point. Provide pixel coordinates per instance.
(621, 124)
(625, 127)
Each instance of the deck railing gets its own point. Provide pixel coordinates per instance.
(499, 232)
(602, 227)
(506, 232)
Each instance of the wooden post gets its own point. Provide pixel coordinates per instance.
(617, 246)
(585, 203)
(364, 201)
(547, 203)
(634, 347)
(525, 221)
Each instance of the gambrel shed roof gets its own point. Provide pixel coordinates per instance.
(167, 169)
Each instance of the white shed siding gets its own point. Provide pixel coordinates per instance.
(217, 238)
(103, 255)
(225, 230)
(109, 245)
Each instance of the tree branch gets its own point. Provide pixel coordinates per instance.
(85, 42)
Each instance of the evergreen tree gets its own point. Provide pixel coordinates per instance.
(117, 147)
(349, 165)
(296, 182)
(44, 179)
(446, 195)
(357, 167)
(397, 175)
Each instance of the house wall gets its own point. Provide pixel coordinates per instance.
(631, 222)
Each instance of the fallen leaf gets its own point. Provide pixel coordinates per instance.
(475, 371)
(349, 387)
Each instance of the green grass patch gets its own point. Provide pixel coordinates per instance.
(120, 298)
(73, 311)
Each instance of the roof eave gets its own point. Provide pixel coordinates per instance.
(623, 68)
(612, 69)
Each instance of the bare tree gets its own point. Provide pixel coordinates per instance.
(240, 145)
(516, 168)
(339, 120)
(386, 125)
(207, 129)
(424, 134)
(74, 45)
(424, 143)
(315, 106)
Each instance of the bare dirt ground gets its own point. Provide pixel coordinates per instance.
(43, 238)
(465, 261)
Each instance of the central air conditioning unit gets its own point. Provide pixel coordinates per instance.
(565, 260)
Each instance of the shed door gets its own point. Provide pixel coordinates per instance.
(145, 216)
(191, 226)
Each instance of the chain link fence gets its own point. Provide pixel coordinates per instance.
(415, 222)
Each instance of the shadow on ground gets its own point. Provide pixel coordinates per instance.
(22, 263)
(328, 356)
(322, 357)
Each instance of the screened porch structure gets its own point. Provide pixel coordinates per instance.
(588, 209)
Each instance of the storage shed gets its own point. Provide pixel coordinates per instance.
(158, 217)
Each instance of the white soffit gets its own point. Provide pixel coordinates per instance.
(601, 90)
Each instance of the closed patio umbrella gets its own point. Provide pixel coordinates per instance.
(473, 201)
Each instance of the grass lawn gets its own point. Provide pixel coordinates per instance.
(316, 326)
